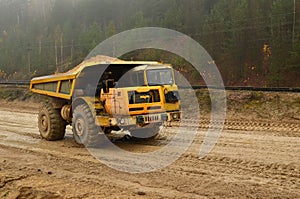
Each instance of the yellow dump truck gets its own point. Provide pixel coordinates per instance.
(103, 95)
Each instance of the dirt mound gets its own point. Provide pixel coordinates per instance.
(29, 192)
(96, 59)
(253, 105)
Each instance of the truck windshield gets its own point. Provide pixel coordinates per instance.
(160, 77)
(131, 79)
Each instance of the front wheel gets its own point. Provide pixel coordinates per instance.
(85, 130)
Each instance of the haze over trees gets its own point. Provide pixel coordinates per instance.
(253, 42)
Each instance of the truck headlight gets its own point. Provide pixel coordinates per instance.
(122, 121)
(176, 116)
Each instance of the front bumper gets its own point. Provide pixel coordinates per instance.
(139, 120)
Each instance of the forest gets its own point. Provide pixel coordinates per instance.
(253, 42)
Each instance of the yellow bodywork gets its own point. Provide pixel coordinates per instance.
(62, 85)
(112, 107)
(117, 106)
(59, 86)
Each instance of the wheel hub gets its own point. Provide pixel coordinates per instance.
(44, 123)
(80, 127)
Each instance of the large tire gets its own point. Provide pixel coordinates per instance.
(51, 125)
(85, 130)
(146, 133)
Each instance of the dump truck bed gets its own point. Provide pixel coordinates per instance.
(62, 85)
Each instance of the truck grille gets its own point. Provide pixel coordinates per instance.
(144, 97)
(152, 118)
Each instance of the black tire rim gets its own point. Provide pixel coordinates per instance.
(44, 123)
(80, 127)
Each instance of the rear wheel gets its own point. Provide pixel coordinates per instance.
(84, 128)
(51, 125)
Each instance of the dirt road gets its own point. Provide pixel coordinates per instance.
(246, 163)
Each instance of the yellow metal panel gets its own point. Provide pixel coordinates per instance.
(65, 87)
(52, 78)
(58, 87)
(52, 94)
(103, 121)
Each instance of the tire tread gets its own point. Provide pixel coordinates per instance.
(57, 123)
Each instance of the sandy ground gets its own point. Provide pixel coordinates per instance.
(251, 160)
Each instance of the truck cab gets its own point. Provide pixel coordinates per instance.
(143, 98)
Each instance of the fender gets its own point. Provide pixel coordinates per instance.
(92, 102)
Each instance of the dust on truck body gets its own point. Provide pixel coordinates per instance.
(102, 97)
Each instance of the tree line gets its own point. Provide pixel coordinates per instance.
(253, 42)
